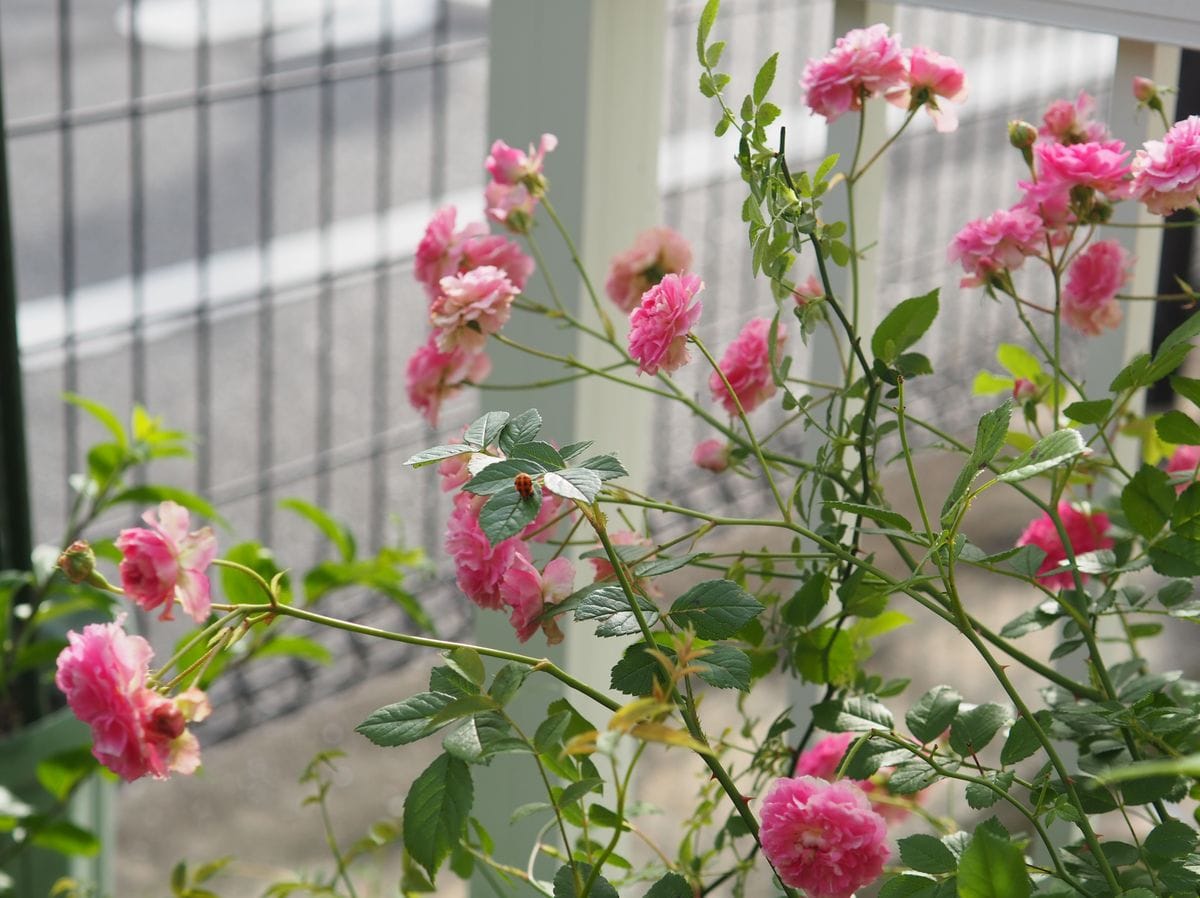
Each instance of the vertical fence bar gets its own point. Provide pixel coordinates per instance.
(137, 212)
(265, 450)
(203, 244)
(66, 174)
(325, 188)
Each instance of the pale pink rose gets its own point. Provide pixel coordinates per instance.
(510, 205)
(1101, 165)
(509, 165)
(822, 837)
(932, 75)
(1066, 122)
(527, 592)
(712, 455)
(470, 306)
(988, 246)
(499, 252)
(1051, 202)
(808, 291)
(479, 566)
(167, 562)
(135, 730)
(867, 62)
(1144, 89)
(659, 326)
(746, 364)
(823, 759)
(1024, 390)
(433, 376)
(440, 252)
(1086, 531)
(1093, 281)
(1166, 173)
(1184, 460)
(655, 253)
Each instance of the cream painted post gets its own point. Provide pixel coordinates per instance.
(590, 72)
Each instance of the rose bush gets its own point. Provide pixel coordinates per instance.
(1093, 770)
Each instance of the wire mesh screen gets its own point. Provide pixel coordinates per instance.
(939, 181)
(215, 206)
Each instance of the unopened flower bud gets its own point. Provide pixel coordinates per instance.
(1021, 135)
(77, 561)
(1024, 390)
(1144, 90)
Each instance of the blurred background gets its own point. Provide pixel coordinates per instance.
(215, 206)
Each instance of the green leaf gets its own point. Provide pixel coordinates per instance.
(1187, 387)
(1049, 452)
(507, 514)
(498, 477)
(406, 721)
(564, 884)
(438, 453)
(980, 796)
(724, 667)
(611, 608)
(932, 713)
(884, 516)
(926, 854)
(707, 17)
(972, 730)
(522, 428)
(463, 706)
(989, 437)
(806, 603)
(542, 453)
(713, 55)
(988, 384)
(334, 531)
(436, 810)
(715, 609)
(665, 564)
(1176, 427)
(1022, 741)
(1147, 500)
(634, 674)
(480, 738)
(62, 772)
(295, 647)
(508, 681)
(101, 413)
(765, 78)
(239, 587)
(606, 467)
(904, 325)
(852, 714)
(1018, 361)
(671, 886)
(1171, 838)
(1091, 412)
(908, 885)
(65, 837)
(578, 484)
(151, 494)
(1181, 335)
(910, 777)
(484, 430)
(992, 867)
(576, 791)
(1176, 556)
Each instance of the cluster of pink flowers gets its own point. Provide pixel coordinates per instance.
(433, 376)
(1166, 173)
(527, 591)
(870, 62)
(655, 253)
(822, 837)
(746, 364)
(1066, 122)
(166, 563)
(822, 760)
(517, 184)
(136, 731)
(987, 247)
(1087, 531)
(659, 326)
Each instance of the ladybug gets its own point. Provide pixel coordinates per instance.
(523, 484)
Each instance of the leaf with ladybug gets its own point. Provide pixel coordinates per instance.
(499, 477)
(507, 513)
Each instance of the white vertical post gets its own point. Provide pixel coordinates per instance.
(589, 71)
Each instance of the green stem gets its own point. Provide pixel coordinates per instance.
(579, 266)
(855, 172)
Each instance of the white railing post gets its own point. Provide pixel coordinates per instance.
(590, 72)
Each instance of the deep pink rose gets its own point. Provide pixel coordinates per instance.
(1099, 164)
(440, 252)
(1093, 280)
(1051, 202)
(712, 455)
(746, 364)
(654, 254)
(866, 62)
(1166, 173)
(510, 166)
(135, 730)
(932, 75)
(479, 566)
(822, 837)
(1066, 122)
(822, 760)
(527, 592)
(659, 326)
(1086, 530)
(1184, 460)
(433, 376)
(167, 562)
(1000, 242)
(470, 306)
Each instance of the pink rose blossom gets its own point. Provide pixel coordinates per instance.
(527, 592)
(808, 291)
(511, 206)
(1024, 390)
(654, 254)
(1088, 303)
(1051, 202)
(746, 364)
(1166, 173)
(1144, 89)
(1000, 242)
(453, 471)
(479, 566)
(822, 837)
(135, 730)
(712, 455)
(471, 306)
(867, 62)
(1184, 460)
(510, 166)
(499, 252)
(826, 755)
(433, 376)
(1066, 122)
(659, 326)
(1086, 530)
(440, 252)
(167, 562)
(1101, 165)
(932, 75)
